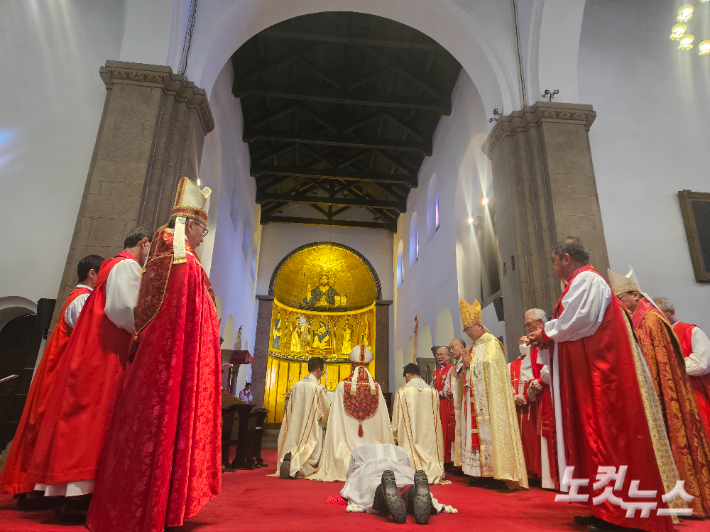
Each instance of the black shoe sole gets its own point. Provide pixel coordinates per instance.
(285, 469)
(393, 500)
(421, 499)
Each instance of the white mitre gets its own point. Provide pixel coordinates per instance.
(360, 358)
(621, 284)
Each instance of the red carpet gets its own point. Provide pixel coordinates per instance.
(251, 501)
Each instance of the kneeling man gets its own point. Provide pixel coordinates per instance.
(416, 425)
(301, 436)
(381, 480)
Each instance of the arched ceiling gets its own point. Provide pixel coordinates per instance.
(339, 112)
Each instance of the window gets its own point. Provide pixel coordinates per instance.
(433, 220)
(413, 240)
(436, 213)
(416, 258)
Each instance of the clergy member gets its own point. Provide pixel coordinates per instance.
(162, 461)
(380, 479)
(446, 407)
(457, 347)
(89, 375)
(599, 380)
(490, 438)
(664, 357)
(358, 415)
(301, 436)
(696, 350)
(524, 396)
(416, 425)
(14, 474)
(535, 319)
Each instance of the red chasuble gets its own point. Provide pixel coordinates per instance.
(446, 410)
(701, 383)
(597, 374)
(162, 458)
(81, 402)
(527, 423)
(13, 478)
(689, 443)
(546, 418)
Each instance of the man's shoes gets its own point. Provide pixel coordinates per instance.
(420, 498)
(73, 511)
(586, 520)
(603, 526)
(285, 469)
(394, 502)
(36, 501)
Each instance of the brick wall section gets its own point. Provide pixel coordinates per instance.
(545, 190)
(151, 134)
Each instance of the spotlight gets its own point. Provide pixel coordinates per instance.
(704, 47)
(678, 31)
(686, 41)
(685, 13)
(470, 220)
(199, 182)
(485, 201)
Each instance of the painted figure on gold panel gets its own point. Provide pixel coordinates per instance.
(276, 344)
(322, 296)
(298, 334)
(365, 337)
(321, 336)
(347, 339)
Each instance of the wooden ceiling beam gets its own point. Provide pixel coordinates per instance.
(440, 105)
(388, 226)
(396, 179)
(263, 197)
(344, 38)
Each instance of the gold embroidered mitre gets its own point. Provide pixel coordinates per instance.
(470, 314)
(620, 284)
(191, 202)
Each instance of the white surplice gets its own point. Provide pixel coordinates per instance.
(364, 474)
(416, 427)
(71, 314)
(122, 286)
(342, 437)
(697, 363)
(301, 431)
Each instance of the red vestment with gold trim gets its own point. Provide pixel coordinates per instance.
(162, 458)
(14, 474)
(689, 443)
(446, 409)
(527, 422)
(700, 384)
(81, 402)
(597, 374)
(546, 418)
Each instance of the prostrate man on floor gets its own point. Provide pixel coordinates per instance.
(696, 350)
(545, 417)
(599, 380)
(358, 415)
(301, 436)
(664, 357)
(416, 425)
(446, 407)
(521, 376)
(89, 375)
(490, 438)
(162, 458)
(380, 479)
(14, 474)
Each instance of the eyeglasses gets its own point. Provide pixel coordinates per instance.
(205, 231)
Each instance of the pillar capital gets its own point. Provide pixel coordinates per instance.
(533, 116)
(162, 77)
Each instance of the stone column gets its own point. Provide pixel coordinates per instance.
(382, 344)
(544, 190)
(261, 349)
(151, 134)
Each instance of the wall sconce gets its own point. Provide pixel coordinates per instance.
(686, 42)
(685, 13)
(678, 31)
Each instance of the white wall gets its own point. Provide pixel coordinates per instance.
(49, 116)
(648, 142)
(448, 267)
(225, 168)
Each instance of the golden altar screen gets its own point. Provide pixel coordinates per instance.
(324, 305)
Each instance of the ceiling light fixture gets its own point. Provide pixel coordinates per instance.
(199, 182)
(470, 220)
(686, 42)
(704, 47)
(678, 31)
(485, 201)
(685, 13)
